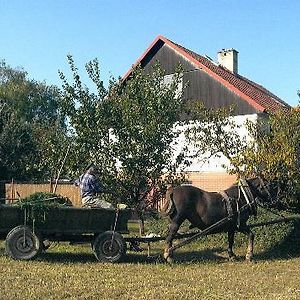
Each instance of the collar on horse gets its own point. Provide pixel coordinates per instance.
(244, 188)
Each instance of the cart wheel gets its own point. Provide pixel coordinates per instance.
(109, 246)
(22, 243)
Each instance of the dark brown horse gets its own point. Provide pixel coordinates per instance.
(204, 209)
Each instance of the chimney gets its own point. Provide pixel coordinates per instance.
(228, 58)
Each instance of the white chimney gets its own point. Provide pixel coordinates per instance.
(228, 58)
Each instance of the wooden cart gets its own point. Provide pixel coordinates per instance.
(103, 228)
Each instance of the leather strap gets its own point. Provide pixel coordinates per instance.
(227, 203)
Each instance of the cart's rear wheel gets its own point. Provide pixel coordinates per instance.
(22, 243)
(109, 246)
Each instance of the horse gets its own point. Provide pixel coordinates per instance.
(203, 209)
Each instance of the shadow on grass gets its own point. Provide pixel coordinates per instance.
(2, 249)
(216, 254)
(67, 257)
(131, 257)
(287, 248)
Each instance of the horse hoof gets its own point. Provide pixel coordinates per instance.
(249, 257)
(170, 260)
(232, 258)
(166, 255)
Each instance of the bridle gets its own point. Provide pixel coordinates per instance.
(251, 201)
(271, 201)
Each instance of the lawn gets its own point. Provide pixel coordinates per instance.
(201, 271)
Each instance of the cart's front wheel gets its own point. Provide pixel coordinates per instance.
(22, 243)
(109, 246)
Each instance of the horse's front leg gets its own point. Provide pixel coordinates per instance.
(246, 230)
(231, 254)
(173, 228)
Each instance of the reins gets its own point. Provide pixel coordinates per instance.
(273, 212)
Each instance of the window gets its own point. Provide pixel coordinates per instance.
(168, 79)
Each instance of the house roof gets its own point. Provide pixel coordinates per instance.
(256, 95)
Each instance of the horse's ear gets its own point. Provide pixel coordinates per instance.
(261, 176)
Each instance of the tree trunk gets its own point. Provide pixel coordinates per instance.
(142, 226)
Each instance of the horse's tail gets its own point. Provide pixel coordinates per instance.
(167, 207)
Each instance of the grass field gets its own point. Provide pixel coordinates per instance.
(201, 271)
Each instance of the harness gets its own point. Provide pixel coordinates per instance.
(228, 203)
(244, 188)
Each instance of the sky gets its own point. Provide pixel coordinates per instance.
(38, 35)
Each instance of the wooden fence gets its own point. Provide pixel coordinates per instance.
(206, 181)
(14, 191)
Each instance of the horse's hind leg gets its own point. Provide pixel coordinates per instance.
(173, 228)
(246, 230)
(231, 254)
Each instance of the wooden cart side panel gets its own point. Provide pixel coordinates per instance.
(67, 220)
(10, 217)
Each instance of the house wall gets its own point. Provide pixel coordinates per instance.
(200, 85)
(212, 182)
(213, 164)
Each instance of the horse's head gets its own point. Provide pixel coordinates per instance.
(265, 192)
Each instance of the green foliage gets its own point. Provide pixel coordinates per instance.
(214, 132)
(274, 152)
(143, 112)
(87, 115)
(30, 119)
(270, 149)
(126, 130)
(38, 204)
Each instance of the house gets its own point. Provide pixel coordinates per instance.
(216, 84)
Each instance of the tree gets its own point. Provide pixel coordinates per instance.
(143, 112)
(88, 119)
(127, 129)
(29, 115)
(270, 148)
(275, 152)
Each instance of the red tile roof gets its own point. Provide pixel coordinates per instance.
(255, 94)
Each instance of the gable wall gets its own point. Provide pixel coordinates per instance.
(201, 86)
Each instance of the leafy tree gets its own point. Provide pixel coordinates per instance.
(270, 149)
(29, 115)
(143, 112)
(127, 129)
(88, 119)
(275, 152)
